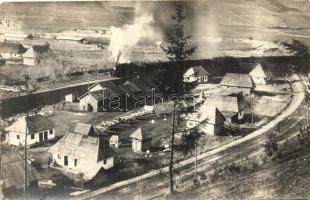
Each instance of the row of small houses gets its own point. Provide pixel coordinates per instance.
(260, 75)
(16, 53)
(118, 95)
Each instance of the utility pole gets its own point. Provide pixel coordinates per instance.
(307, 113)
(196, 143)
(25, 158)
(171, 151)
(252, 110)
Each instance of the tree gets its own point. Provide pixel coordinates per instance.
(271, 145)
(299, 50)
(176, 50)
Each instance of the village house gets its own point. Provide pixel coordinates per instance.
(261, 75)
(101, 97)
(81, 154)
(12, 171)
(38, 128)
(34, 54)
(241, 81)
(196, 74)
(114, 141)
(229, 106)
(10, 50)
(141, 141)
(208, 120)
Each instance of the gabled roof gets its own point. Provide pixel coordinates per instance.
(100, 95)
(197, 71)
(261, 71)
(151, 82)
(83, 129)
(35, 123)
(140, 134)
(36, 49)
(82, 147)
(208, 114)
(111, 86)
(223, 103)
(129, 86)
(140, 84)
(9, 47)
(12, 171)
(237, 80)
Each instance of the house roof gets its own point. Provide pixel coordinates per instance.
(12, 171)
(131, 88)
(224, 91)
(100, 94)
(140, 134)
(35, 123)
(83, 129)
(209, 114)
(197, 71)
(223, 103)
(9, 47)
(151, 82)
(140, 84)
(36, 49)
(82, 147)
(111, 86)
(261, 71)
(237, 80)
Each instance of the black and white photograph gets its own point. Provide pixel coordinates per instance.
(154, 100)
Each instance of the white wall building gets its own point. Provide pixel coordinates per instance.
(38, 128)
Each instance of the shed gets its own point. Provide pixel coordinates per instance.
(141, 141)
(196, 74)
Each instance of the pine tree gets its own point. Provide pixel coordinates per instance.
(176, 50)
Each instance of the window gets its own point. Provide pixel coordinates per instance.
(75, 162)
(51, 131)
(58, 156)
(104, 161)
(66, 160)
(18, 137)
(32, 136)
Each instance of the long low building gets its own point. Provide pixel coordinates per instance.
(240, 81)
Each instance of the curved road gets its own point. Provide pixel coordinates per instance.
(155, 184)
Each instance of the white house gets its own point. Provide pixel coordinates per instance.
(261, 75)
(196, 74)
(114, 141)
(38, 128)
(141, 141)
(208, 120)
(82, 155)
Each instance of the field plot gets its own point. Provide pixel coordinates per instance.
(270, 106)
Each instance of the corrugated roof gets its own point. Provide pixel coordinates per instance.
(13, 171)
(112, 86)
(237, 80)
(83, 129)
(140, 134)
(261, 71)
(223, 103)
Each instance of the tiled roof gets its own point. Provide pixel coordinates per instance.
(237, 80)
(37, 123)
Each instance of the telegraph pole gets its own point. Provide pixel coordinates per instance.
(25, 158)
(171, 151)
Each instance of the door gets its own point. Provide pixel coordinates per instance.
(41, 137)
(45, 135)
